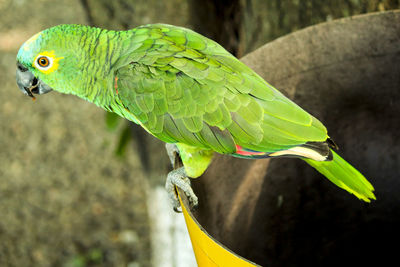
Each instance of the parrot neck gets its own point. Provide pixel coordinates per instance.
(97, 54)
(96, 76)
(112, 50)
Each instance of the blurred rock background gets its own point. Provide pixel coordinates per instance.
(66, 198)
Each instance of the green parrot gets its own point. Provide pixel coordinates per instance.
(187, 91)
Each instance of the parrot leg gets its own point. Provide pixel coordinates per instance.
(173, 153)
(195, 162)
(179, 179)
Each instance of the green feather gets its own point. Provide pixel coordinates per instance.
(177, 37)
(287, 110)
(226, 117)
(342, 174)
(298, 132)
(276, 136)
(145, 102)
(158, 127)
(160, 106)
(252, 112)
(214, 117)
(252, 133)
(194, 124)
(195, 41)
(219, 141)
(232, 105)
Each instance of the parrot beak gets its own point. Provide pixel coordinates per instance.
(28, 83)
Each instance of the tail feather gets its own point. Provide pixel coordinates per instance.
(318, 151)
(342, 174)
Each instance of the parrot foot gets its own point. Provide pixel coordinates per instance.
(179, 179)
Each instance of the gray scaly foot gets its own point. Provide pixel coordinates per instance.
(178, 178)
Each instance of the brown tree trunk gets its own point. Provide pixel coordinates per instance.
(221, 21)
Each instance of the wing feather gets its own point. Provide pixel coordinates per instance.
(183, 87)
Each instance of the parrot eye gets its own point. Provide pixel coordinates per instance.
(43, 62)
(46, 61)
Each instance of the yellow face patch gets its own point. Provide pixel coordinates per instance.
(46, 61)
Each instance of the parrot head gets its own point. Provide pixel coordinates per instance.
(32, 64)
(50, 60)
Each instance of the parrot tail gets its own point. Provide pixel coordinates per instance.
(342, 174)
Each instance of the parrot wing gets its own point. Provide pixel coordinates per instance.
(183, 87)
(171, 106)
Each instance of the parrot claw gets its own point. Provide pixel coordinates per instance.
(178, 178)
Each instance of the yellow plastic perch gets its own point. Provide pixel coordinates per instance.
(208, 251)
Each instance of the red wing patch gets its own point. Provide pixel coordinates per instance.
(248, 152)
